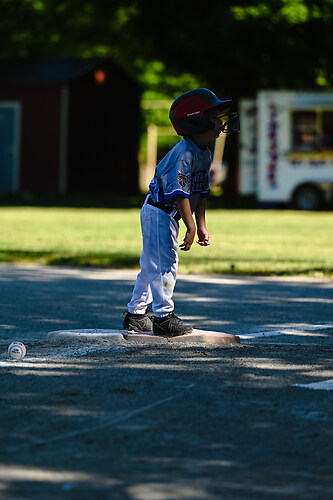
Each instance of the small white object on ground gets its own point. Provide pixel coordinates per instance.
(17, 350)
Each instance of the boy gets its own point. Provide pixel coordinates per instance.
(178, 189)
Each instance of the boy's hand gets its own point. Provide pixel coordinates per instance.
(204, 237)
(184, 208)
(188, 240)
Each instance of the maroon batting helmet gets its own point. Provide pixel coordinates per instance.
(188, 112)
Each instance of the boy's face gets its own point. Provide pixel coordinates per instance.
(219, 120)
(215, 130)
(216, 118)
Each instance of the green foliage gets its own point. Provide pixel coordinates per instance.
(159, 84)
(235, 48)
(292, 11)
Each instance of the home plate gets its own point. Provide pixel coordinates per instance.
(197, 336)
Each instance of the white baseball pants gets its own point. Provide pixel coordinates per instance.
(159, 263)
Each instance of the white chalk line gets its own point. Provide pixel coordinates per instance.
(286, 331)
(108, 423)
(324, 385)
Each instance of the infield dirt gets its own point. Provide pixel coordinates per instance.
(136, 421)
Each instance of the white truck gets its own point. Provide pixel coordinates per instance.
(286, 148)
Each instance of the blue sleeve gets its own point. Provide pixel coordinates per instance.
(178, 179)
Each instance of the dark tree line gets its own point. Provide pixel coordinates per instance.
(234, 47)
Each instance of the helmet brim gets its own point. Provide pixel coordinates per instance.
(221, 106)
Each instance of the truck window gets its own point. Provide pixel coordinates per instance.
(326, 138)
(305, 135)
(312, 131)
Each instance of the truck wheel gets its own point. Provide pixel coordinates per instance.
(307, 197)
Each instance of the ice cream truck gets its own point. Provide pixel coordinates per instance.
(286, 148)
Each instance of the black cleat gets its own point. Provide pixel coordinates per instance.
(170, 326)
(138, 323)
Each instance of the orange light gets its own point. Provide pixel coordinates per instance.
(100, 76)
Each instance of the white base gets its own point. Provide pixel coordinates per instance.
(119, 336)
(113, 336)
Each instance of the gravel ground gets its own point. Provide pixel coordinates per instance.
(139, 421)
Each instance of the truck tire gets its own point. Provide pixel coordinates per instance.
(307, 197)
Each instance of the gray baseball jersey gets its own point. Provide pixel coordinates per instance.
(184, 170)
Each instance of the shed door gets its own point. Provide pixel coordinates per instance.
(9, 134)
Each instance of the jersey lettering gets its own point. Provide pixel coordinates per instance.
(199, 182)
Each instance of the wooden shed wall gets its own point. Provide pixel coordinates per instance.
(39, 135)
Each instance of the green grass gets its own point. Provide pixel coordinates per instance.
(243, 241)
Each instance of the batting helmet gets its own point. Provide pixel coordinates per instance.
(188, 111)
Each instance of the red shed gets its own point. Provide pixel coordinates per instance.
(68, 126)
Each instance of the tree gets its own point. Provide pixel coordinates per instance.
(234, 48)
(244, 47)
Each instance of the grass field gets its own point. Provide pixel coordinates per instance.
(243, 241)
